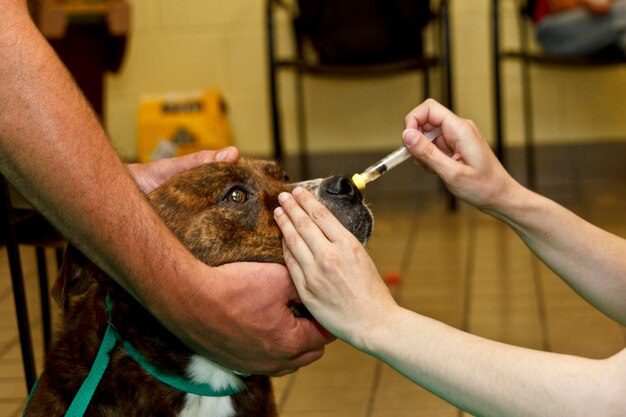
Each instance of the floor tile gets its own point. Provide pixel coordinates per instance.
(11, 408)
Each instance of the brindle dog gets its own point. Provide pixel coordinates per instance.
(223, 213)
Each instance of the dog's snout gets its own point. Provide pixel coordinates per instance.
(345, 201)
(340, 186)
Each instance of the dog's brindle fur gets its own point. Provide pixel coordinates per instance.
(223, 213)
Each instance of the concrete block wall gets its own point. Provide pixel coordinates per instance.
(195, 44)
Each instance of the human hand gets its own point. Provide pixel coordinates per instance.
(335, 277)
(240, 318)
(153, 174)
(460, 156)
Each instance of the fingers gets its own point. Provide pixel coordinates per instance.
(427, 153)
(303, 343)
(283, 342)
(427, 116)
(299, 230)
(311, 217)
(306, 337)
(309, 232)
(228, 154)
(307, 355)
(295, 270)
(447, 155)
(153, 174)
(299, 252)
(167, 168)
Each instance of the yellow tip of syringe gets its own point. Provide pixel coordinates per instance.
(390, 161)
(358, 180)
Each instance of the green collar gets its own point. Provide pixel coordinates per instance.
(111, 337)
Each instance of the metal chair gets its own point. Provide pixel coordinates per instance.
(24, 226)
(301, 66)
(528, 57)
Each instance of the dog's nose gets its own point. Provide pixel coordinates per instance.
(340, 186)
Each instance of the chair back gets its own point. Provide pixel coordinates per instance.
(360, 32)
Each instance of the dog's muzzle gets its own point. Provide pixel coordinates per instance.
(345, 201)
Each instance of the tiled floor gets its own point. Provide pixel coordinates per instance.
(462, 268)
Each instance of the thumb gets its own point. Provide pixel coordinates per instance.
(426, 152)
(228, 154)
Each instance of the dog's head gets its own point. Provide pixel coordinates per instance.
(224, 212)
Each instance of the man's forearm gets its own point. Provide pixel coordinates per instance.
(54, 150)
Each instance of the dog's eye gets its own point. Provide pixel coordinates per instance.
(236, 195)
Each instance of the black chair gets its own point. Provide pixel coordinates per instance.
(24, 226)
(527, 57)
(301, 65)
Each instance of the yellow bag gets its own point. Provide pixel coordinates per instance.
(178, 124)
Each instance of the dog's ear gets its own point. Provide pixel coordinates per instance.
(75, 276)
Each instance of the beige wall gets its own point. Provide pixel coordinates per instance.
(195, 44)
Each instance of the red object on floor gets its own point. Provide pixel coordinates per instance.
(392, 278)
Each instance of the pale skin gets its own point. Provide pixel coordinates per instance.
(53, 149)
(340, 285)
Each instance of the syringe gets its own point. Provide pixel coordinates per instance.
(390, 161)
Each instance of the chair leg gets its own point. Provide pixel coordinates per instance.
(23, 323)
(426, 83)
(44, 296)
(273, 85)
(276, 127)
(305, 171)
(446, 82)
(447, 58)
(497, 82)
(452, 203)
(58, 253)
(19, 294)
(529, 143)
(529, 146)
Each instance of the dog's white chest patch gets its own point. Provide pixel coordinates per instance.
(202, 370)
(196, 405)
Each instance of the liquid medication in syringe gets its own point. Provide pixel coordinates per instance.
(387, 163)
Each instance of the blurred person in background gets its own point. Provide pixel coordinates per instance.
(580, 28)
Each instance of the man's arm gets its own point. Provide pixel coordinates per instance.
(53, 149)
(50, 136)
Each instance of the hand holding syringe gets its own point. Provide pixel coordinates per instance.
(390, 161)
